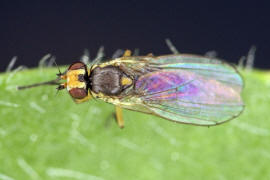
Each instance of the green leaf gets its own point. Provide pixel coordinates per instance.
(44, 135)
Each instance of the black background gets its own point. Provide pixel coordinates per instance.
(31, 29)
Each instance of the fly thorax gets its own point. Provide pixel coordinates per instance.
(109, 80)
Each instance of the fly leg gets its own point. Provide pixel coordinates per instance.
(88, 97)
(118, 109)
(127, 53)
(119, 116)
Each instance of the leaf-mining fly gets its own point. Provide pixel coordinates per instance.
(184, 88)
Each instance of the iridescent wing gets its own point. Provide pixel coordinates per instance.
(187, 89)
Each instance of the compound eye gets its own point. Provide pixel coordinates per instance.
(78, 93)
(77, 65)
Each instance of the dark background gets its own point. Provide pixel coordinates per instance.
(30, 30)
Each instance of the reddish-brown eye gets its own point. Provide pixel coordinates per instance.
(78, 93)
(77, 65)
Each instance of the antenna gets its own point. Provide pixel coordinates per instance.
(52, 82)
(60, 73)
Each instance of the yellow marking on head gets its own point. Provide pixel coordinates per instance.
(64, 77)
(64, 84)
(125, 81)
(72, 79)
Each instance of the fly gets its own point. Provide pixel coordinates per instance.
(183, 88)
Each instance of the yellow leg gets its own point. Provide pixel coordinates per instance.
(150, 55)
(119, 116)
(88, 97)
(127, 53)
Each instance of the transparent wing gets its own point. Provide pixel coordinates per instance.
(190, 89)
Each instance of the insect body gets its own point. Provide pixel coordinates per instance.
(183, 88)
